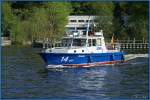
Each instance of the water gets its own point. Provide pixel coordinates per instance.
(24, 76)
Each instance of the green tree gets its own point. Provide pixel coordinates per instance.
(7, 18)
(49, 22)
(58, 18)
(76, 8)
(34, 22)
(18, 34)
(137, 25)
(104, 11)
(136, 19)
(38, 23)
(118, 22)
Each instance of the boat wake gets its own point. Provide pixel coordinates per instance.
(56, 66)
(133, 56)
(135, 60)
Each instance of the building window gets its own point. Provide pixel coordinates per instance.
(80, 20)
(81, 28)
(72, 20)
(88, 20)
(71, 28)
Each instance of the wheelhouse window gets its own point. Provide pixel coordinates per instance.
(91, 42)
(79, 42)
(94, 42)
(98, 42)
(66, 42)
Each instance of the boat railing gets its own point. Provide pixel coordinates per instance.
(130, 41)
(124, 44)
(109, 45)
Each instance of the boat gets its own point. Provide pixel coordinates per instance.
(82, 50)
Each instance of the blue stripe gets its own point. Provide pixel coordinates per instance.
(65, 58)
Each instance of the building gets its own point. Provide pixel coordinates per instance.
(79, 23)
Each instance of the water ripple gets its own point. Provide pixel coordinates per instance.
(24, 76)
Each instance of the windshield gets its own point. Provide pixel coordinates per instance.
(66, 42)
(79, 42)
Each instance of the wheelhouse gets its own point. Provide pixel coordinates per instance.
(81, 42)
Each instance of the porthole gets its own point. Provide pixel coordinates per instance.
(74, 51)
(82, 50)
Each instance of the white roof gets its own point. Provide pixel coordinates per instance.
(81, 17)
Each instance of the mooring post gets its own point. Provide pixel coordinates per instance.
(143, 40)
(128, 46)
(134, 42)
(44, 44)
(117, 40)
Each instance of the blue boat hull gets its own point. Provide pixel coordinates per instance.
(81, 59)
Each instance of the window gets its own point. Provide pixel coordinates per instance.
(80, 20)
(89, 42)
(84, 32)
(71, 28)
(98, 42)
(81, 28)
(79, 42)
(94, 42)
(72, 20)
(88, 20)
(66, 42)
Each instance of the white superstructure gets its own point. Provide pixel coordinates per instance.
(80, 42)
(77, 44)
(78, 22)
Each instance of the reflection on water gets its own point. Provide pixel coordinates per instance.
(24, 76)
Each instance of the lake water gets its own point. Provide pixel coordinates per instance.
(24, 76)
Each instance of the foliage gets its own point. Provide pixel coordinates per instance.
(18, 34)
(104, 11)
(50, 23)
(124, 19)
(118, 21)
(76, 8)
(7, 17)
(38, 25)
(28, 21)
(135, 17)
(57, 18)
(138, 21)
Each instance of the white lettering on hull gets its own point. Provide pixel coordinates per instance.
(65, 59)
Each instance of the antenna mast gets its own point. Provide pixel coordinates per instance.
(87, 31)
